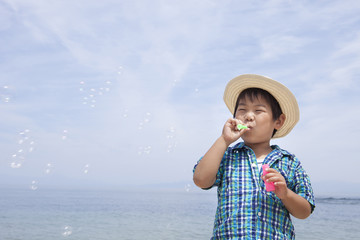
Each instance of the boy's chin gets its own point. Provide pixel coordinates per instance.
(250, 140)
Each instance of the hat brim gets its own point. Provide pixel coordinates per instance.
(282, 94)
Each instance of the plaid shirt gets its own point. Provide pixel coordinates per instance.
(245, 210)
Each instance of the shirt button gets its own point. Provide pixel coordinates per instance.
(259, 214)
(253, 165)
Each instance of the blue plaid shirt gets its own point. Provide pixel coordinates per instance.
(245, 209)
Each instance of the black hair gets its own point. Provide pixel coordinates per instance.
(255, 93)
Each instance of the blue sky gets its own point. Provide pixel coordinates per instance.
(130, 92)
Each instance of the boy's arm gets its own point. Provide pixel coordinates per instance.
(298, 206)
(206, 170)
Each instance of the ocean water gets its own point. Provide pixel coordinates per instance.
(46, 214)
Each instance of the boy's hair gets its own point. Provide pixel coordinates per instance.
(255, 93)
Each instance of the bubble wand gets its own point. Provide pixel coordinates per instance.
(240, 126)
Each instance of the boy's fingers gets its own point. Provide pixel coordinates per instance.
(271, 170)
(269, 175)
(273, 179)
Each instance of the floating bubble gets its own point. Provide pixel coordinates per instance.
(146, 119)
(16, 164)
(86, 169)
(125, 113)
(91, 93)
(119, 70)
(170, 148)
(187, 187)
(48, 168)
(144, 150)
(140, 150)
(25, 147)
(67, 231)
(64, 134)
(171, 139)
(34, 185)
(196, 90)
(147, 150)
(4, 94)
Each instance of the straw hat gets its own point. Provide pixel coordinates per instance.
(282, 94)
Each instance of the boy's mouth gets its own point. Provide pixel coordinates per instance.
(250, 126)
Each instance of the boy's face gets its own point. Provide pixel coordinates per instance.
(257, 115)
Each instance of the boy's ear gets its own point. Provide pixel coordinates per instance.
(280, 121)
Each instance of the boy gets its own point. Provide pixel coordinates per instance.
(245, 209)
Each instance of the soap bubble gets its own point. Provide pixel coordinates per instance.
(17, 163)
(147, 117)
(67, 231)
(64, 134)
(48, 168)
(25, 147)
(141, 124)
(145, 120)
(144, 150)
(171, 147)
(34, 185)
(125, 113)
(171, 139)
(4, 94)
(91, 92)
(86, 169)
(147, 150)
(119, 70)
(187, 187)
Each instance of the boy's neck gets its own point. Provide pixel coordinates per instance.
(261, 150)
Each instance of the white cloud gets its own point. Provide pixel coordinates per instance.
(273, 47)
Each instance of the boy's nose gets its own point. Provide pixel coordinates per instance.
(249, 117)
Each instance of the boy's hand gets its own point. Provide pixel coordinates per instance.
(298, 206)
(230, 132)
(281, 189)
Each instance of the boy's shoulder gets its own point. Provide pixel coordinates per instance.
(283, 151)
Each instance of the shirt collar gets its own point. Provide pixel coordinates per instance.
(277, 151)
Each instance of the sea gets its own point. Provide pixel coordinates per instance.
(145, 213)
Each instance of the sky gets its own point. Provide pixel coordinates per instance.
(121, 93)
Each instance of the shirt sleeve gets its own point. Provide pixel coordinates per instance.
(302, 185)
(218, 175)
